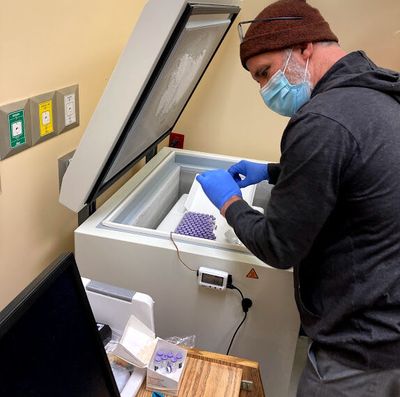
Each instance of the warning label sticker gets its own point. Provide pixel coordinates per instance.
(252, 274)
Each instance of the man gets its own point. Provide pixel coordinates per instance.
(334, 212)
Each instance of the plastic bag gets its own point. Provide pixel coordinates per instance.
(185, 341)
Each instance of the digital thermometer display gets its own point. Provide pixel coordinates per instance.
(212, 278)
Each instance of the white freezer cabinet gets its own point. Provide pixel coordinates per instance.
(122, 244)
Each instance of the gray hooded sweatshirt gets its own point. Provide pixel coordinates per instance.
(334, 213)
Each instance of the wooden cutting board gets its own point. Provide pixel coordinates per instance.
(206, 379)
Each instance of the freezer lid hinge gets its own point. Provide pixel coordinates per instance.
(86, 211)
(151, 152)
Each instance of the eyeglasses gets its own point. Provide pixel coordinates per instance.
(240, 25)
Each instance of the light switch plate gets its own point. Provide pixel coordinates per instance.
(67, 102)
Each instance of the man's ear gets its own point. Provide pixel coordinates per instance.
(307, 50)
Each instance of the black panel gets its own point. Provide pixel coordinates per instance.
(49, 343)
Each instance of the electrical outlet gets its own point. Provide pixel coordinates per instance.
(63, 163)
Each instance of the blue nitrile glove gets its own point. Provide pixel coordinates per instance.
(219, 186)
(253, 172)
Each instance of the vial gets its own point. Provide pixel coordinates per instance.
(158, 364)
(160, 353)
(179, 359)
(165, 361)
(168, 368)
(173, 364)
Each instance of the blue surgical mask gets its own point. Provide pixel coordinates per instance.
(283, 97)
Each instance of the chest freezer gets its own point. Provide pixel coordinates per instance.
(127, 242)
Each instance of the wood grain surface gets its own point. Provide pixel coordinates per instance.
(213, 375)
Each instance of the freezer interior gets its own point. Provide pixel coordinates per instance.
(156, 207)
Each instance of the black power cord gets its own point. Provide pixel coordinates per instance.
(246, 302)
(246, 305)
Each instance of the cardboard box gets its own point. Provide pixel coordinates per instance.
(166, 378)
(140, 347)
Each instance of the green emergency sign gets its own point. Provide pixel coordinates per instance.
(16, 123)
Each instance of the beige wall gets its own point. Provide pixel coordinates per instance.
(227, 115)
(44, 46)
(64, 42)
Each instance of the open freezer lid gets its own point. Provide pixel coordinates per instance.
(167, 54)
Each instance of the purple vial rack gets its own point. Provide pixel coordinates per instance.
(196, 224)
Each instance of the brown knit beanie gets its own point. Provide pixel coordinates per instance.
(263, 36)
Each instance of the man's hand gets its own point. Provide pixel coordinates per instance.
(253, 173)
(219, 186)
